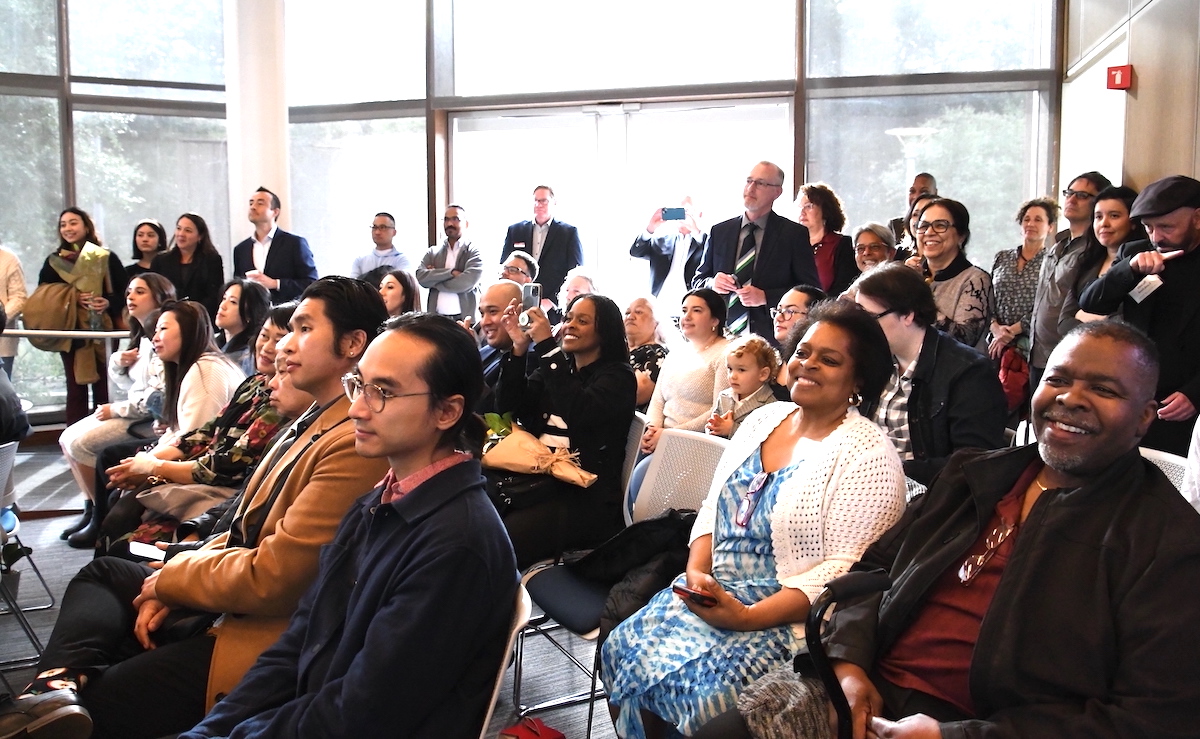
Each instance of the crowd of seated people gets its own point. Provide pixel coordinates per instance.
(893, 367)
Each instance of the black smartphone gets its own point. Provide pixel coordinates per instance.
(674, 214)
(698, 597)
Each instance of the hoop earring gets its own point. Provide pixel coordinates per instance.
(855, 400)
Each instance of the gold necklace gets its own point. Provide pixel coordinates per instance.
(1039, 484)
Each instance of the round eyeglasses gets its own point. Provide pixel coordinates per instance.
(374, 396)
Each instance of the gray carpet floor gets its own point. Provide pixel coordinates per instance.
(44, 485)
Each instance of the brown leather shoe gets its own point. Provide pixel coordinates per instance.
(54, 715)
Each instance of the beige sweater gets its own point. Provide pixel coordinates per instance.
(688, 387)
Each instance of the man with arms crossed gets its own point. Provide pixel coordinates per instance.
(1155, 283)
(1060, 267)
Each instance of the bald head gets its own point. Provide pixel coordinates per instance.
(491, 306)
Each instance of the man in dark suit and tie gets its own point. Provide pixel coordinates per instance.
(755, 258)
(674, 254)
(272, 257)
(554, 244)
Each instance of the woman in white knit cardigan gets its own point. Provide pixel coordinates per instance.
(800, 493)
(692, 376)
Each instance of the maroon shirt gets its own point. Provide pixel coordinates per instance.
(934, 653)
(823, 254)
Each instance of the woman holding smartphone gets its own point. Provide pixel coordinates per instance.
(581, 398)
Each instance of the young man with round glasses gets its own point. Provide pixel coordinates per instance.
(402, 631)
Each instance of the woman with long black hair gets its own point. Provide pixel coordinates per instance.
(244, 307)
(139, 371)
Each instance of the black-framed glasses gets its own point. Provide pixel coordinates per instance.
(971, 567)
(751, 182)
(1081, 194)
(374, 396)
(881, 314)
(938, 226)
(508, 270)
(384, 227)
(750, 499)
(789, 313)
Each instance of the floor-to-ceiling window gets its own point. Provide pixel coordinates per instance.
(960, 90)
(356, 89)
(116, 107)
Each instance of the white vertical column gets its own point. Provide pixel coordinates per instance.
(256, 111)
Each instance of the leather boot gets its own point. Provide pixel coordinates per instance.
(85, 538)
(88, 507)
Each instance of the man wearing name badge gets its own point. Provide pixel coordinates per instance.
(554, 244)
(755, 258)
(272, 257)
(1156, 285)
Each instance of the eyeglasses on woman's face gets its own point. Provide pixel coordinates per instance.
(938, 227)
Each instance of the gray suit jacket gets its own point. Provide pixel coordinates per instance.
(435, 275)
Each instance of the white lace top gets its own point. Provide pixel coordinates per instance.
(826, 516)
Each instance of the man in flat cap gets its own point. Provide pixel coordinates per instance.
(1156, 286)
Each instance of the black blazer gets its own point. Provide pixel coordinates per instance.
(204, 278)
(660, 250)
(561, 253)
(784, 260)
(289, 260)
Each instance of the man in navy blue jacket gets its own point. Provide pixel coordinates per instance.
(554, 244)
(277, 260)
(404, 629)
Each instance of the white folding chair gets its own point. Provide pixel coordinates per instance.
(679, 474)
(633, 444)
(1172, 465)
(520, 618)
(8, 458)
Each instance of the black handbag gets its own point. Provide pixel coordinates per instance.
(513, 491)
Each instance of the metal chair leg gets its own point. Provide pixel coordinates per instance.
(10, 601)
(602, 694)
(45, 585)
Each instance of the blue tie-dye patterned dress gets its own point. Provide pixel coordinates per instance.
(667, 660)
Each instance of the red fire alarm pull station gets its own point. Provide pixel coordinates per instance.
(1120, 78)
